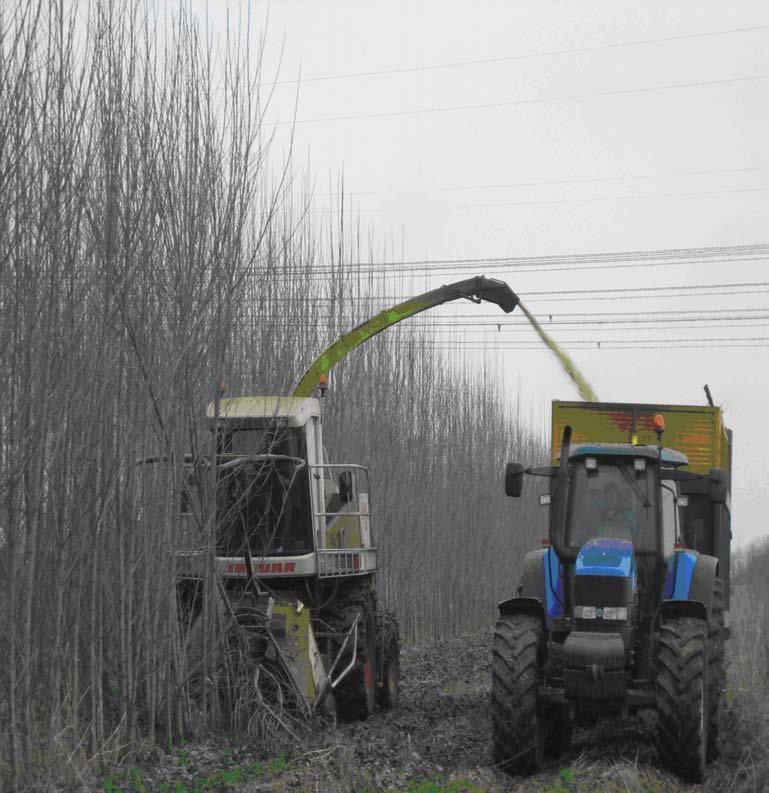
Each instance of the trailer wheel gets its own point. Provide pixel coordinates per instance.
(517, 719)
(715, 669)
(389, 653)
(356, 693)
(682, 696)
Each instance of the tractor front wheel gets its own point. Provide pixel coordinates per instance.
(682, 696)
(517, 719)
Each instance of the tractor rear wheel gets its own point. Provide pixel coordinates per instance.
(389, 655)
(715, 668)
(356, 693)
(517, 719)
(682, 696)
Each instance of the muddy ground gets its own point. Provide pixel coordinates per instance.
(438, 739)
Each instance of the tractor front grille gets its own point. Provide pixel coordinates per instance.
(601, 590)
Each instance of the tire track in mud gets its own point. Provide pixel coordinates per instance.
(441, 732)
(438, 737)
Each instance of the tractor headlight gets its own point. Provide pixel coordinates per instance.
(617, 613)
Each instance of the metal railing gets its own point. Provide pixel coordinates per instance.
(342, 562)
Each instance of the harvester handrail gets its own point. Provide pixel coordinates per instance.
(266, 457)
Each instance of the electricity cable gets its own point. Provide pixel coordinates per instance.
(521, 57)
(613, 92)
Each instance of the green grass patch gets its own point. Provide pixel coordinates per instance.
(441, 786)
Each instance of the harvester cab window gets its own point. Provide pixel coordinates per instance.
(264, 440)
(262, 497)
(614, 500)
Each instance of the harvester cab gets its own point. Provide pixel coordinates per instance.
(294, 554)
(618, 613)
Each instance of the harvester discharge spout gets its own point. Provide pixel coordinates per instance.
(476, 289)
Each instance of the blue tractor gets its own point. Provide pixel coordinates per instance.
(621, 610)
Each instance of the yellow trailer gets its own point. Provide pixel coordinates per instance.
(696, 430)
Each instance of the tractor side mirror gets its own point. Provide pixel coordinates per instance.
(718, 485)
(514, 480)
(345, 487)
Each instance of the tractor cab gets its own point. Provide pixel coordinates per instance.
(621, 492)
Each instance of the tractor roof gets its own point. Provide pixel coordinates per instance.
(295, 410)
(669, 456)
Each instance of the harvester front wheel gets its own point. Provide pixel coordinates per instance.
(356, 692)
(715, 668)
(517, 718)
(682, 696)
(389, 654)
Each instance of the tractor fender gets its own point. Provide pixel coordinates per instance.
(680, 608)
(691, 578)
(532, 583)
(522, 605)
(703, 581)
(542, 579)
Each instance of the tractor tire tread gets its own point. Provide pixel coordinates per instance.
(681, 687)
(517, 734)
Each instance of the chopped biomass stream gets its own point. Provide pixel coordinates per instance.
(585, 389)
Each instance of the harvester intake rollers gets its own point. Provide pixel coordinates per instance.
(356, 693)
(715, 668)
(517, 721)
(682, 696)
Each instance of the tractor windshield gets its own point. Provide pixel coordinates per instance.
(612, 500)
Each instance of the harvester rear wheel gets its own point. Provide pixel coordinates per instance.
(715, 668)
(389, 654)
(356, 693)
(682, 696)
(517, 719)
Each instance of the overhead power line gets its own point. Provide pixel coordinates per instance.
(617, 261)
(550, 201)
(607, 347)
(615, 256)
(679, 291)
(699, 313)
(586, 326)
(551, 182)
(379, 115)
(521, 57)
(537, 343)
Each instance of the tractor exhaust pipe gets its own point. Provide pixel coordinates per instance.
(558, 521)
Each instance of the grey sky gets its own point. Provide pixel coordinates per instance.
(582, 147)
